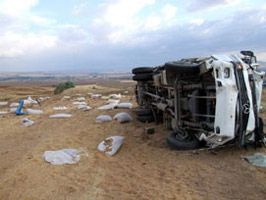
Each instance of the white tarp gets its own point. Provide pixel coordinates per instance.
(103, 118)
(111, 145)
(3, 103)
(61, 157)
(123, 117)
(34, 112)
(60, 115)
(26, 122)
(60, 108)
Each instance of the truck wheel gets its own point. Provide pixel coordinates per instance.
(143, 111)
(146, 118)
(177, 142)
(141, 70)
(143, 77)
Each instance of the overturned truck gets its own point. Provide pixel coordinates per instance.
(206, 101)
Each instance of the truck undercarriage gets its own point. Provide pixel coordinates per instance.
(203, 101)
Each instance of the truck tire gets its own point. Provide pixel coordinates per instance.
(176, 142)
(146, 118)
(180, 67)
(141, 70)
(143, 111)
(143, 77)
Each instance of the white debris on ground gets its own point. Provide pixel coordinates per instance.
(122, 117)
(105, 97)
(66, 97)
(84, 107)
(80, 99)
(60, 108)
(34, 111)
(79, 103)
(3, 103)
(111, 145)
(112, 101)
(258, 159)
(124, 105)
(109, 106)
(103, 118)
(30, 101)
(41, 99)
(60, 115)
(115, 96)
(3, 112)
(95, 96)
(27, 122)
(13, 105)
(12, 109)
(63, 156)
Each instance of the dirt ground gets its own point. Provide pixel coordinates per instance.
(144, 168)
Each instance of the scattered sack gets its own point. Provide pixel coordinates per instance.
(105, 97)
(124, 105)
(66, 97)
(84, 107)
(3, 103)
(258, 159)
(79, 103)
(115, 96)
(34, 112)
(13, 110)
(27, 122)
(108, 106)
(3, 112)
(103, 118)
(81, 99)
(13, 105)
(43, 98)
(122, 117)
(115, 101)
(111, 145)
(64, 156)
(95, 96)
(60, 108)
(29, 101)
(60, 115)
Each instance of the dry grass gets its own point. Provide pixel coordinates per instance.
(144, 168)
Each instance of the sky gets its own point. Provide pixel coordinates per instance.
(117, 35)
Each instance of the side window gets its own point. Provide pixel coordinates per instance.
(226, 72)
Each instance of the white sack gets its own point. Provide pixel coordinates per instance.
(124, 105)
(79, 103)
(103, 118)
(60, 108)
(108, 106)
(95, 96)
(115, 96)
(81, 99)
(34, 112)
(13, 110)
(61, 157)
(29, 101)
(3, 112)
(122, 117)
(115, 101)
(66, 97)
(13, 105)
(111, 145)
(3, 103)
(84, 107)
(60, 115)
(27, 122)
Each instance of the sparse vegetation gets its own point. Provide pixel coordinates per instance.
(63, 86)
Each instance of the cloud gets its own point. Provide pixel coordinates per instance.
(15, 7)
(197, 5)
